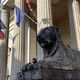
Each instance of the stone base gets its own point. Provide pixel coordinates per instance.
(52, 74)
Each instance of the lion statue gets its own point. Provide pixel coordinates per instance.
(54, 50)
(60, 61)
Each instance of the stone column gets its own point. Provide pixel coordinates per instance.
(27, 42)
(44, 18)
(18, 44)
(4, 45)
(74, 18)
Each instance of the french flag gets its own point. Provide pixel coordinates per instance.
(19, 15)
(2, 35)
(29, 3)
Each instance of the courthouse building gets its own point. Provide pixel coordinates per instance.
(22, 44)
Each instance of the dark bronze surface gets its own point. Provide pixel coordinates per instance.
(60, 61)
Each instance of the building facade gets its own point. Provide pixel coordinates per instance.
(22, 43)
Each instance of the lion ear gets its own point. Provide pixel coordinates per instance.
(57, 29)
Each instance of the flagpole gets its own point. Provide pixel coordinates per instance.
(30, 18)
(1, 6)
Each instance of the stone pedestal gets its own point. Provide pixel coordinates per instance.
(52, 74)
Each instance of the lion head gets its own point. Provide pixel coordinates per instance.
(47, 38)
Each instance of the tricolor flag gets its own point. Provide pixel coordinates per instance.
(2, 26)
(19, 15)
(29, 3)
(0, 2)
(2, 35)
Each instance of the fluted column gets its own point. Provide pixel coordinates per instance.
(27, 42)
(44, 18)
(4, 45)
(74, 18)
(18, 44)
